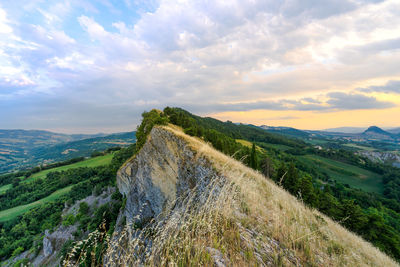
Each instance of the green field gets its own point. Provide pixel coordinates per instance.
(4, 188)
(277, 146)
(347, 174)
(360, 147)
(316, 141)
(16, 211)
(12, 213)
(92, 162)
(248, 144)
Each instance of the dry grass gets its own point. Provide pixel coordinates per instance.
(249, 220)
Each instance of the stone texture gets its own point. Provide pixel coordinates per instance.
(217, 257)
(164, 170)
(47, 246)
(158, 182)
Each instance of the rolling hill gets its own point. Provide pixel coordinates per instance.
(204, 208)
(24, 149)
(199, 191)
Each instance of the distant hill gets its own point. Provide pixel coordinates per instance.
(30, 138)
(394, 130)
(345, 130)
(288, 131)
(27, 148)
(378, 133)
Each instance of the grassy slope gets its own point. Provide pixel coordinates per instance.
(12, 213)
(4, 188)
(361, 147)
(92, 162)
(248, 144)
(273, 213)
(16, 211)
(276, 146)
(347, 174)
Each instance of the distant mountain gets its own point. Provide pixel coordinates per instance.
(32, 138)
(378, 133)
(345, 130)
(394, 130)
(26, 148)
(288, 131)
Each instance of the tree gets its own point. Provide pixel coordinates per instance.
(281, 173)
(253, 157)
(290, 181)
(83, 208)
(267, 167)
(306, 191)
(353, 216)
(16, 182)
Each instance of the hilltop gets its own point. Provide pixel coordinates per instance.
(201, 191)
(203, 207)
(376, 132)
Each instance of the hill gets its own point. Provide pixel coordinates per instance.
(24, 149)
(352, 130)
(394, 130)
(288, 131)
(205, 208)
(193, 194)
(378, 133)
(15, 211)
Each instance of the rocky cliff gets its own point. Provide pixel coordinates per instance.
(186, 203)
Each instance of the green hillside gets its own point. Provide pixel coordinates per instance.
(91, 162)
(347, 174)
(12, 213)
(37, 205)
(4, 188)
(21, 149)
(363, 195)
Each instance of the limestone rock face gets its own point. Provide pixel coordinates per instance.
(161, 183)
(47, 246)
(165, 169)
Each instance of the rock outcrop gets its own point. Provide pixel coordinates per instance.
(165, 169)
(188, 204)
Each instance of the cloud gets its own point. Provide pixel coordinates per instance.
(334, 101)
(389, 87)
(226, 55)
(345, 101)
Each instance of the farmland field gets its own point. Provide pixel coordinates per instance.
(346, 173)
(92, 162)
(12, 213)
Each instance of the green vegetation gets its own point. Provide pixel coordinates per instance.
(313, 175)
(23, 149)
(37, 205)
(278, 146)
(91, 162)
(12, 213)
(4, 188)
(360, 147)
(150, 119)
(362, 195)
(346, 173)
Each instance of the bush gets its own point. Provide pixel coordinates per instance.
(151, 118)
(69, 220)
(17, 251)
(83, 208)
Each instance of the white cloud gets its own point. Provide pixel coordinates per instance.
(4, 27)
(210, 52)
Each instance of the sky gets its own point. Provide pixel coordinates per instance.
(79, 66)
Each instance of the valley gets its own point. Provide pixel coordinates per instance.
(24, 149)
